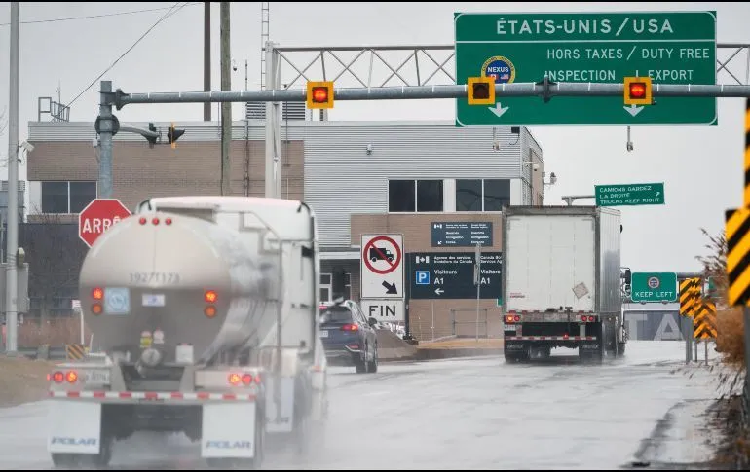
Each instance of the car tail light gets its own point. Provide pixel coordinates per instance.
(349, 327)
(142, 220)
(516, 318)
(96, 308)
(71, 376)
(210, 296)
(97, 293)
(210, 311)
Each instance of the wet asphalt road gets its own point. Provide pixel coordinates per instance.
(477, 413)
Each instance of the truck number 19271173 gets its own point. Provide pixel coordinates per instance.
(154, 277)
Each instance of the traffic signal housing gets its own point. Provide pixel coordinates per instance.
(481, 90)
(173, 134)
(638, 91)
(319, 95)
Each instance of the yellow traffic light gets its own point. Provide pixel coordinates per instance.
(637, 91)
(482, 90)
(319, 95)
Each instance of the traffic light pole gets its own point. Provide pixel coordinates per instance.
(106, 132)
(544, 89)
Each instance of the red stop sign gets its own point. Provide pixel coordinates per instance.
(99, 215)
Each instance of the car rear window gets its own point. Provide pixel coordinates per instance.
(337, 314)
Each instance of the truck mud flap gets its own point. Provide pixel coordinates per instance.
(75, 427)
(285, 421)
(229, 430)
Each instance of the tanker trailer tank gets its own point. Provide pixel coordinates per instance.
(177, 288)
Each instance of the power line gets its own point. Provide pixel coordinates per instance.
(93, 17)
(164, 17)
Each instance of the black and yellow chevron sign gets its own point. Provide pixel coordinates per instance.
(738, 256)
(705, 321)
(689, 295)
(738, 235)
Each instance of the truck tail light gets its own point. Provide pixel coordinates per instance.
(96, 308)
(97, 293)
(246, 379)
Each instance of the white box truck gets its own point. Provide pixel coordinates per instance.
(561, 281)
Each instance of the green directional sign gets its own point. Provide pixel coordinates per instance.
(653, 287)
(629, 194)
(671, 48)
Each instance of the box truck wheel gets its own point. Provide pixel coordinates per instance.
(620, 349)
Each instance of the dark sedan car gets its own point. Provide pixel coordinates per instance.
(348, 336)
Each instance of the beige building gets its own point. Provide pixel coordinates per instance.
(359, 177)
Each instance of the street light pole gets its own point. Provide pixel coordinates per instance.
(11, 296)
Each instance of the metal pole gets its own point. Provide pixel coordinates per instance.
(270, 179)
(207, 59)
(104, 187)
(226, 107)
(705, 350)
(425, 92)
(83, 335)
(478, 280)
(432, 320)
(11, 297)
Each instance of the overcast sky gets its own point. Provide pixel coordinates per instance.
(700, 165)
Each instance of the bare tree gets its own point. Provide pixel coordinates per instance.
(55, 254)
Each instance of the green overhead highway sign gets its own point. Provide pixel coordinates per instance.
(671, 48)
(629, 194)
(653, 287)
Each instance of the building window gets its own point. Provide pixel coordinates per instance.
(347, 286)
(401, 195)
(469, 195)
(326, 286)
(429, 195)
(482, 194)
(496, 194)
(67, 197)
(415, 195)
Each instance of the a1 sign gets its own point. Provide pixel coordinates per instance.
(382, 268)
(98, 216)
(653, 287)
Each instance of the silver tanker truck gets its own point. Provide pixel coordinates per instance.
(204, 314)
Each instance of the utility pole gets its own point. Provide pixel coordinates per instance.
(11, 295)
(226, 107)
(207, 60)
